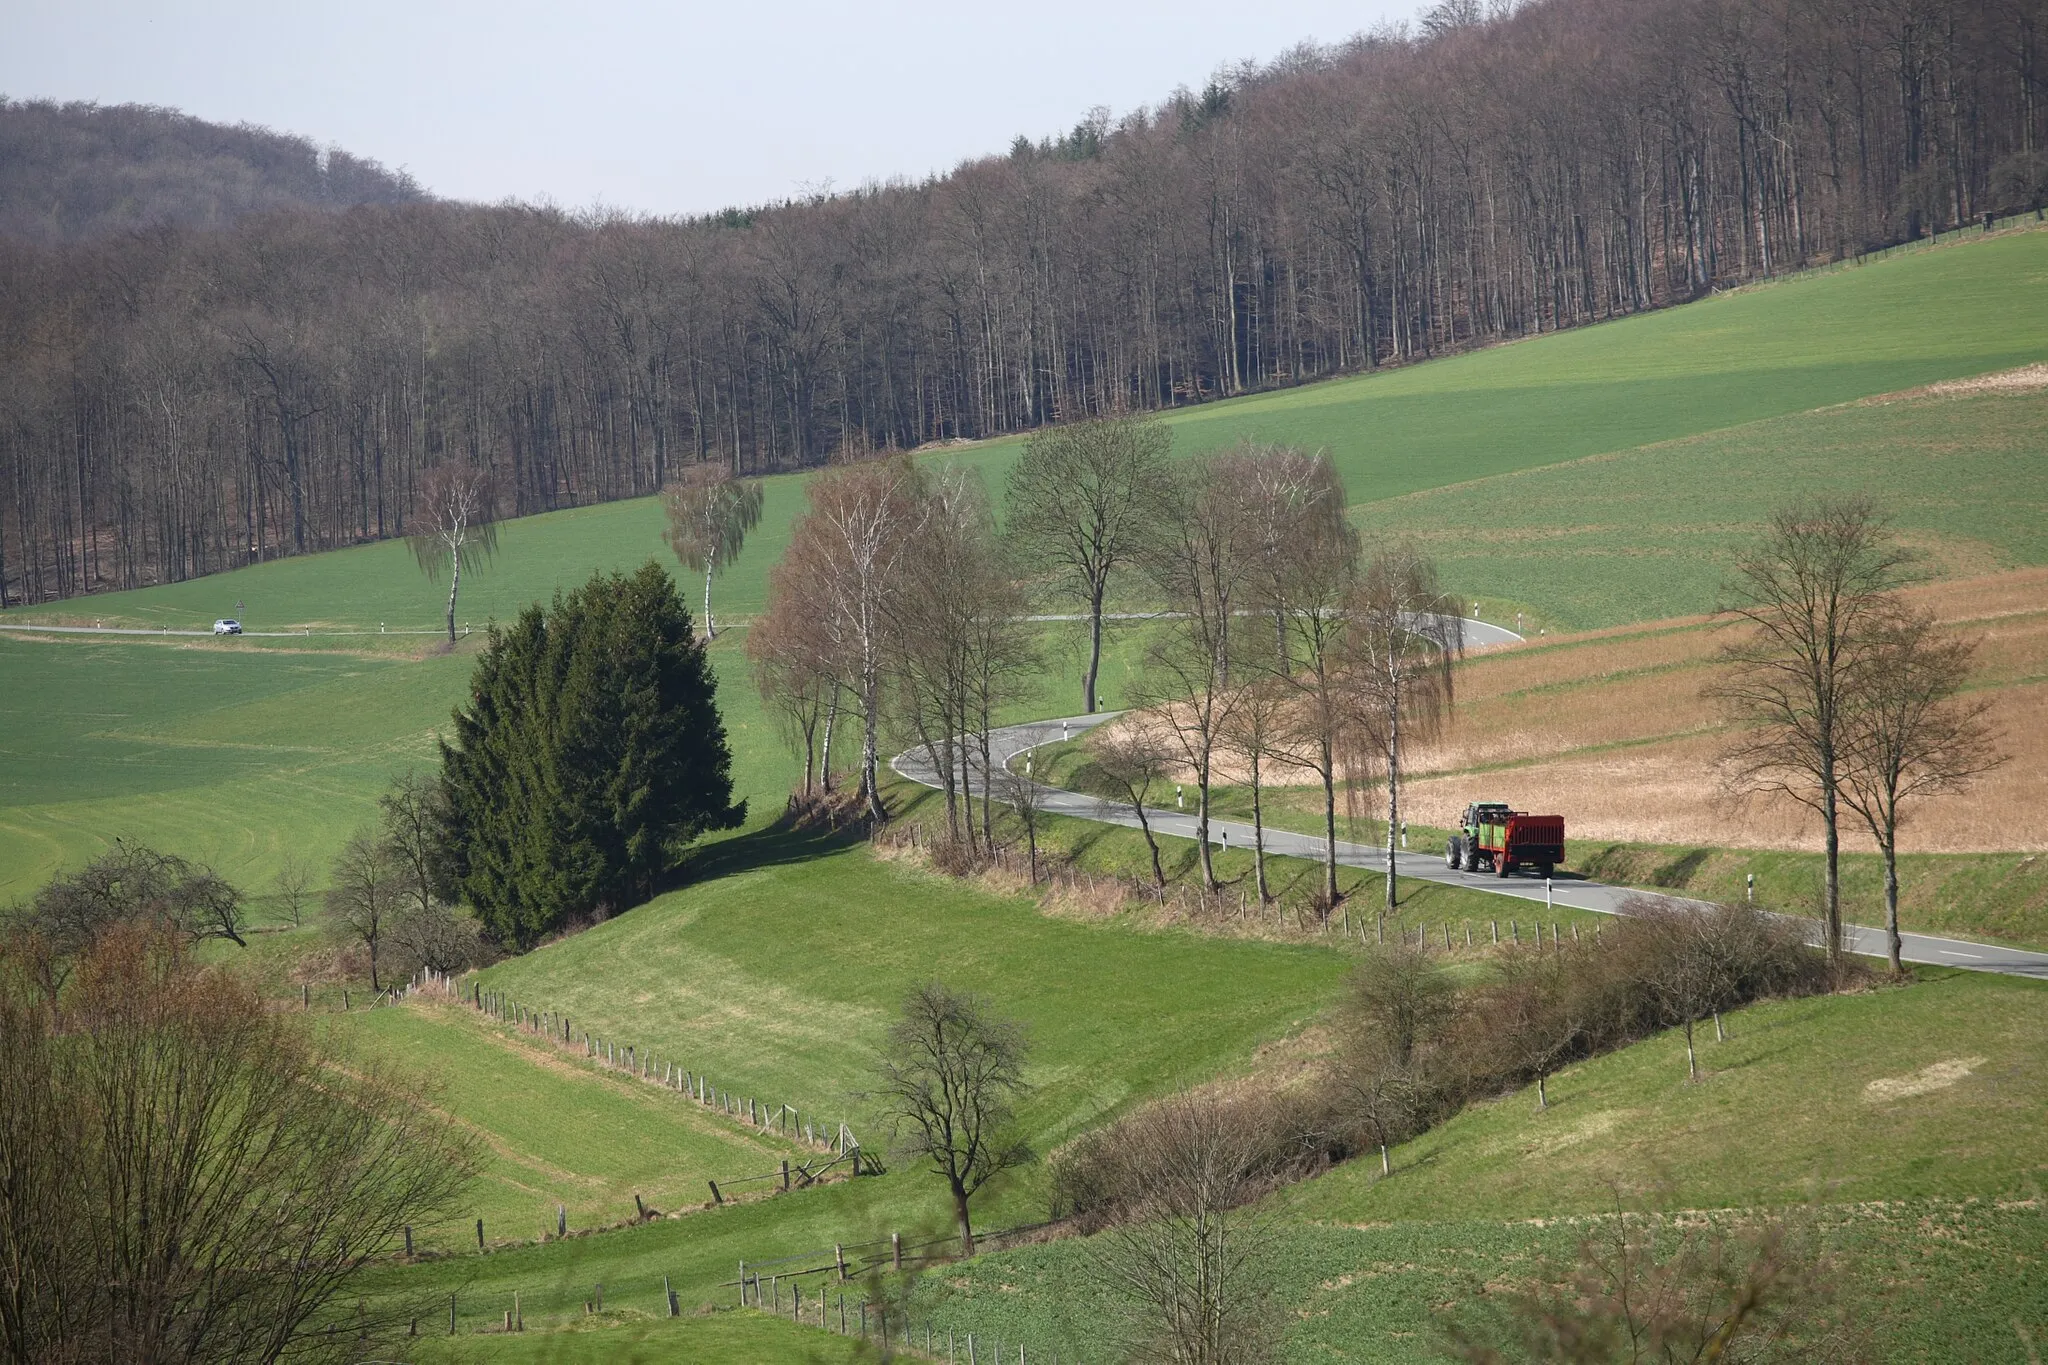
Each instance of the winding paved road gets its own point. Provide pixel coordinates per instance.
(1574, 892)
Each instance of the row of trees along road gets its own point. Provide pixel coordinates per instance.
(176, 401)
(899, 601)
(1845, 693)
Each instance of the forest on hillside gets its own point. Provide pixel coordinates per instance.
(188, 397)
(72, 172)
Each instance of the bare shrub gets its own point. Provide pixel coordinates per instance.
(1191, 1259)
(1416, 1050)
(1646, 1288)
(188, 1179)
(436, 936)
(1392, 1076)
(1101, 1178)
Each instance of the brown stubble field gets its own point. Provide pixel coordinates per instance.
(1611, 727)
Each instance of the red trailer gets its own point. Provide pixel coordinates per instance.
(1499, 840)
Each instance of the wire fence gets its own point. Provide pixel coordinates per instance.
(642, 1064)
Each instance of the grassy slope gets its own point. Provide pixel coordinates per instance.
(638, 1336)
(557, 1130)
(1782, 1117)
(778, 979)
(779, 976)
(1650, 532)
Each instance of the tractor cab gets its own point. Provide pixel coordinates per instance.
(1485, 813)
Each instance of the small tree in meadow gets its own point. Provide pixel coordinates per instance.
(951, 1074)
(710, 511)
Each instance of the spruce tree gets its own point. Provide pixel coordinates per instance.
(591, 752)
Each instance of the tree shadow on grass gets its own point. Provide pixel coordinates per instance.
(776, 845)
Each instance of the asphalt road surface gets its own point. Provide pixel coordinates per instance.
(1428, 865)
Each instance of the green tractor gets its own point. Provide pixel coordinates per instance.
(1493, 838)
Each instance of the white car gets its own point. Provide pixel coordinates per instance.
(227, 625)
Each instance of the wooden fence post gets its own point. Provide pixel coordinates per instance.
(896, 1250)
(716, 1197)
(479, 1234)
(785, 1175)
(669, 1298)
(408, 1241)
(451, 1315)
(561, 1220)
(839, 1256)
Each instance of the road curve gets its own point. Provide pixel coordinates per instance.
(1577, 893)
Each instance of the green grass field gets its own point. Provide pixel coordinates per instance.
(235, 754)
(1651, 532)
(1930, 1200)
(639, 1336)
(555, 1129)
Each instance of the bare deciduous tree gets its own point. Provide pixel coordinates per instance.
(1200, 560)
(848, 550)
(1190, 1256)
(1081, 500)
(132, 883)
(368, 889)
(791, 669)
(1255, 727)
(710, 511)
(412, 813)
(1026, 799)
(454, 524)
(960, 643)
(1908, 735)
(951, 1074)
(1403, 643)
(1131, 759)
(293, 881)
(189, 1178)
(437, 936)
(1308, 572)
(1815, 594)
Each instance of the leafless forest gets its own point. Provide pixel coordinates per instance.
(178, 399)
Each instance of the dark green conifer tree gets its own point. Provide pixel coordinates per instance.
(591, 752)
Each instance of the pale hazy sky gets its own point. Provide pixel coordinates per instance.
(657, 108)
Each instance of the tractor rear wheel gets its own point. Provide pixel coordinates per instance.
(1454, 852)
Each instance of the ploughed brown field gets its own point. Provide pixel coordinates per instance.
(1610, 728)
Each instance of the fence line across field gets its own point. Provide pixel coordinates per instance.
(640, 1063)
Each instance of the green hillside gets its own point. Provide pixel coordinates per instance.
(556, 1131)
(1923, 1179)
(1650, 532)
